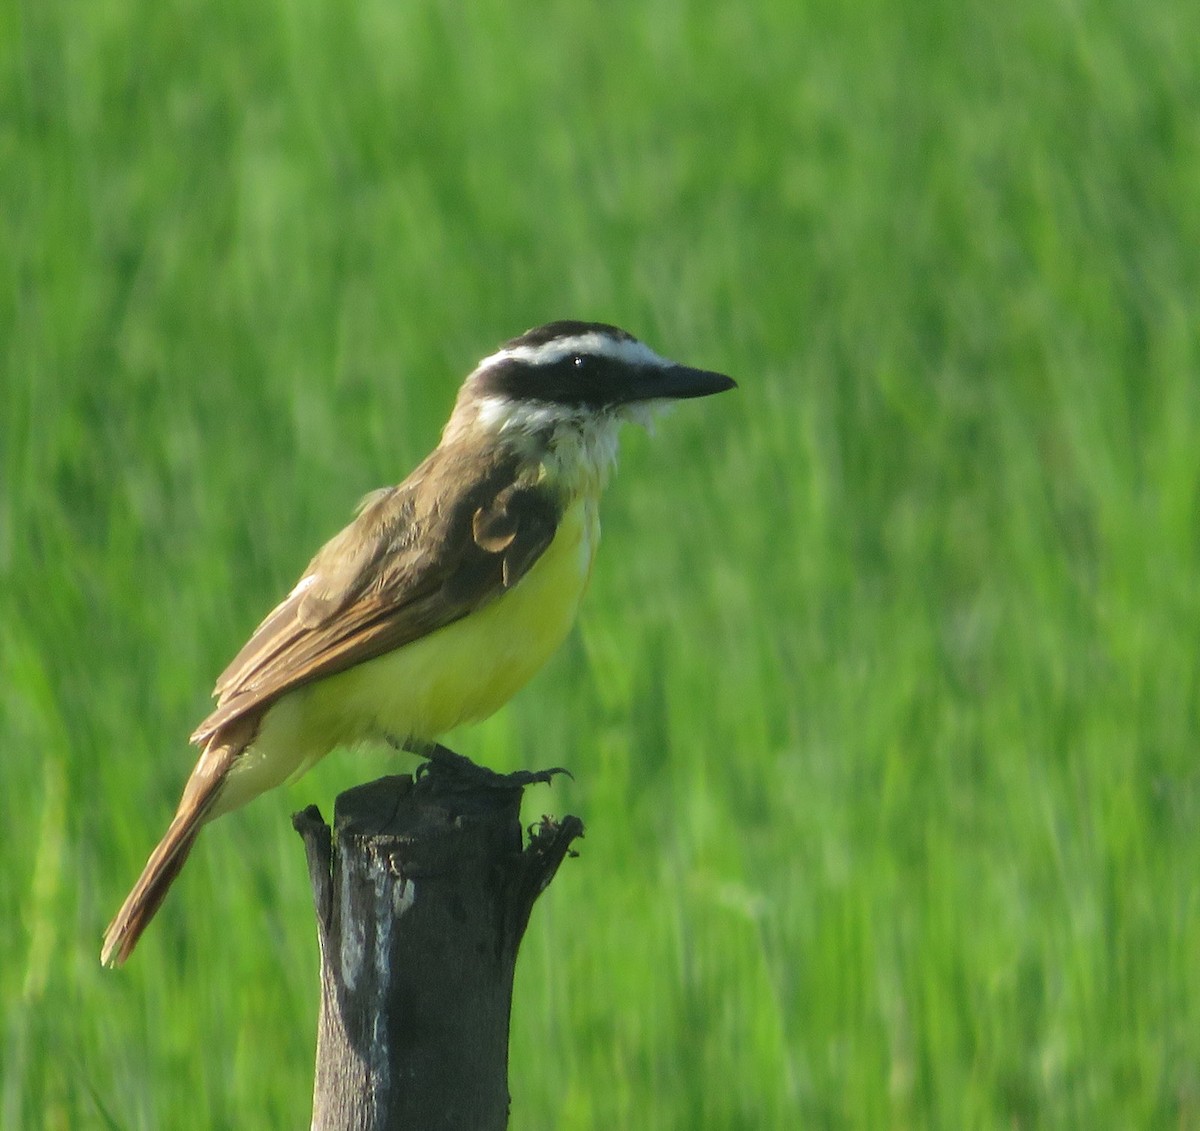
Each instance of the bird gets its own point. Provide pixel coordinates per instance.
(442, 597)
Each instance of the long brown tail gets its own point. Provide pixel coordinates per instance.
(150, 890)
(199, 797)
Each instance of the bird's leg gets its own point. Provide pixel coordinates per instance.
(458, 770)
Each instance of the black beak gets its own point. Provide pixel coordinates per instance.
(678, 382)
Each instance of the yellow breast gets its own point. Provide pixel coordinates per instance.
(466, 671)
(459, 674)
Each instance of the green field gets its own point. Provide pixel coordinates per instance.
(883, 709)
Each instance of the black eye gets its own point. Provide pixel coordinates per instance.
(579, 361)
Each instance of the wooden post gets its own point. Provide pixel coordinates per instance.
(420, 911)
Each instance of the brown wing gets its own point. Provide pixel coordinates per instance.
(453, 536)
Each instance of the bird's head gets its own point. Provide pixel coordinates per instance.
(565, 388)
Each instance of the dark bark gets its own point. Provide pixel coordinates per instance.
(420, 911)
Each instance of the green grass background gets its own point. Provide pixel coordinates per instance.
(883, 707)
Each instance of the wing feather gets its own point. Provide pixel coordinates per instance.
(454, 535)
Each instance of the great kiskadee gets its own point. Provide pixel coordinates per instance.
(442, 597)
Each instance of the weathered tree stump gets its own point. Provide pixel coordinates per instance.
(420, 910)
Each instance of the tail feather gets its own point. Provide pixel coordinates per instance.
(199, 804)
(148, 893)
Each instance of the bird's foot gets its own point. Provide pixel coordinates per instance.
(459, 772)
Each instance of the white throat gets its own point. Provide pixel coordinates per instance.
(576, 447)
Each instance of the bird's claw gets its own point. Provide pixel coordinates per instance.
(456, 771)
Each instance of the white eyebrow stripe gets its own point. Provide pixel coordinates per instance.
(629, 350)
